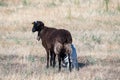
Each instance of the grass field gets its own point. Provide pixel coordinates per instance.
(95, 28)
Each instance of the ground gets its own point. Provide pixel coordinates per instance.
(95, 29)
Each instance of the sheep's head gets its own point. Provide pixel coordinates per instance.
(37, 26)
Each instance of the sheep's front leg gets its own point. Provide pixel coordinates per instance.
(47, 59)
(59, 60)
(52, 58)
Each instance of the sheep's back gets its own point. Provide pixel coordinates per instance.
(62, 36)
(46, 37)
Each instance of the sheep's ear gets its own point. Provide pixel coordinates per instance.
(42, 24)
(32, 22)
(39, 23)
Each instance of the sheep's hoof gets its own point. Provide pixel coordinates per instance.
(47, 66)
(59, 70)
(53, 65)
(50, 64)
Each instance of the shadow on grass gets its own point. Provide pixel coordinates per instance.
(81, 65)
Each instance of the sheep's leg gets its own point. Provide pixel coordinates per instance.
(54, 62)
(51, 58)
(69, 62)
(47, 59)
(59, 60)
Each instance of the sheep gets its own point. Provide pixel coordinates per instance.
(55, 41)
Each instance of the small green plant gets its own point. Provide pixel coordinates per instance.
(17, 41)
(69, 14)
(29, 43)
(77, 2)
(91, 60)
(31, 58)
(52, 4)
(116, 38)
(107, 4)
(25, 2)
(96, 39)
(43, 59)
(118, 7)
(2, 3)
(97, 78)
(90, 46)
(61, 1)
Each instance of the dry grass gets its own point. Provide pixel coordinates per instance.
(95, 31)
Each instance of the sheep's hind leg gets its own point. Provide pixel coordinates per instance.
(59, 60)
(69, 62)
(54, 62)
(51, 58)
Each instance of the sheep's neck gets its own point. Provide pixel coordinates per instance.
(40, 33)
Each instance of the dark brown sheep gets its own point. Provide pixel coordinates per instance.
(55, 41)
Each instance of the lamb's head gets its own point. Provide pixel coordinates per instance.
(37, 26)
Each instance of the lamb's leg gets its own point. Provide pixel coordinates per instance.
(47, 59)
(59, 60)
(69, 62)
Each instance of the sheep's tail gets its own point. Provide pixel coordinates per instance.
(58, 47)
(68, 48)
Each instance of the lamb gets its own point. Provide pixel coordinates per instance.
(55, 41)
